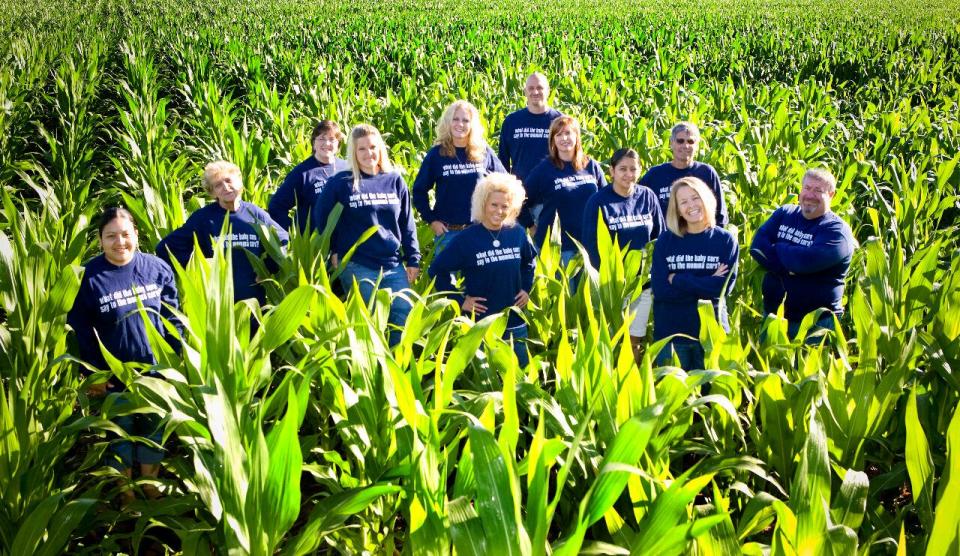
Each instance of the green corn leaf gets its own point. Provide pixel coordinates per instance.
(945, 535)
(281, 498)
(466, 529)
(919, 463)
(496, 501)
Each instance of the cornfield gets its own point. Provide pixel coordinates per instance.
(312, 435)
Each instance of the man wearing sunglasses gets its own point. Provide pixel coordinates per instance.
(806, 251)
(684, 140)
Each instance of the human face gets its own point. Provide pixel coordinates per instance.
(367, 153)
(684, 148)
(495, 210)
(227, 190)
(566, 142)
(537, 90)
(625, 174)
(690, 207)
(326, 146)
(118, 239)
(815, 198)
(460, 127)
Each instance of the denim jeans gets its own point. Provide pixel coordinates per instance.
(137, 424)
(689, 353)
(825, 322)
(392, 279)
(519, 335)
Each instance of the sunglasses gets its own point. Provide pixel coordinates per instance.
(687, 141)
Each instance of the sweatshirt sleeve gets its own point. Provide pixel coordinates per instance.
(170, 302)
(763, 248)
(588, 231)
(282, 201)
(323, 205)
(709, 287)
(722, 217)
(503, 149)
(531, 186)
(447, 262)
(407, 226)
(528, 263)
(659, 224)
(79, 319)
(662, 288)
(829, 247)
(493, 163)
(179, 243)
(422, 184)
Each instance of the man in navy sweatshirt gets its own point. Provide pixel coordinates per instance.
(684, 142)
(806, 251)
(523, 137)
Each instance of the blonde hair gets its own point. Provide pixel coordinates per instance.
(497, 182)
(579, 161)
(476, 143)
(676, 223)
(359, 132)
(214, 172)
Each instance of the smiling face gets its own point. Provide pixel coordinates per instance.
(460, 127)
(227, 190)
(684, 146)
(815, 197)
(566, 142)
(625, 174)
(496, 210)
(536, 90)
(118, 239)
(326, 146)
(367, 154)
(690, 207)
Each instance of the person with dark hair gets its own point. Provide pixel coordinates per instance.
(693, 259)
(372, 194)
(563, 183)
(455, 164)
(223, 182)
(806, 250)
(105, 313)
(631, 213)
(523, 136)
(303, 184)
(684, 141)
(495, 257)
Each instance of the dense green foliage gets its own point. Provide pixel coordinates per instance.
(313, 435)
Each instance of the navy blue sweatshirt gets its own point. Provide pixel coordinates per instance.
(300, 189)
(381, 200)
(693, 258)
(106, 307)
(661, 177)
(205, 224)
(635, 219)
(455, 178)
(806, 261)
(562, 191)
(524, 140)
(495, 273)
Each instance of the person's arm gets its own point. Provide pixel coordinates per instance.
(283, 201)
(722, 217)
(830, 246)
(503, 149)
(422, 184)
(763, 248)
(532, 188)
(170, 302)
(323, 205)
(663, 290)
(598, 173)
(447, 262)
(493, 163)
(179, 244)
(528, 263)
(80, 318)
(712, 286)
(408, 228)
(588, 231)
(659, 224)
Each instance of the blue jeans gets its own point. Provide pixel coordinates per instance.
(825, 322)
(519, 335)
(392, 279)
(689, 353)
(137, 424)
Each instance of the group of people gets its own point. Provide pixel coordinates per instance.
(489, 212)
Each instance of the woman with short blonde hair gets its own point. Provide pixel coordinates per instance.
(495, 257)
(459, 158)
(676, 223)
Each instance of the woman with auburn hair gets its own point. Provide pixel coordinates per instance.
(563, 183)
(494, 255)
(372, 194)
(693, 259)
(223, 182)
(454, 165)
